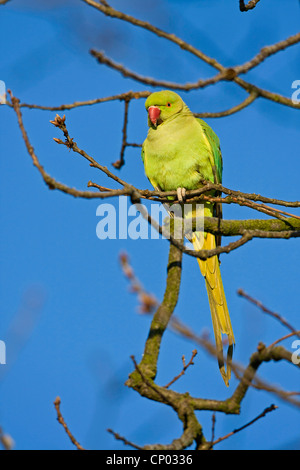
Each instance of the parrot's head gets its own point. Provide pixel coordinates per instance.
(161, 106)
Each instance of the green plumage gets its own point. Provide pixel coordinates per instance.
(179, 152)
(180, 133)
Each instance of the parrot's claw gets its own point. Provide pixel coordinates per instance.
(181, 194)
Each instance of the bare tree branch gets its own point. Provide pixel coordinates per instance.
(234, 109)
(102, 59)
(259, 304)
(185, 367)
(250, 5)
(294, 333)
(261, 415)
(119, 163)
(130, 95)
(63, 107)
(142, 379)
(124, 440)
(225, 73)
(266, 52)
(246, 234)
(282, 225)
(61, 421)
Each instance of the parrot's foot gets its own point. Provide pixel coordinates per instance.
(181, 194)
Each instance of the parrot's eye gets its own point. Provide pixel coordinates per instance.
(168, 104)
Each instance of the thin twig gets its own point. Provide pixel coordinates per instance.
(261, 415)
(63, 107)
(147, 301)
(69, 142)
(119, 163)
(124, 440)
(213, 426)
(185, 367)
(61, 421)
(259, 304)
(294, 333)
(266, 52)
(234, 109)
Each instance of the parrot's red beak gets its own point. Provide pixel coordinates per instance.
(153, 112)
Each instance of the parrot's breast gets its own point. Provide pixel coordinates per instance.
(176, 155)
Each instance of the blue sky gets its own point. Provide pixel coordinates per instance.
(69, 321)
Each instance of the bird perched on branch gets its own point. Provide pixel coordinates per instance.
(181, 151)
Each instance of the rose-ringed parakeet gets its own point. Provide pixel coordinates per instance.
(179, 152)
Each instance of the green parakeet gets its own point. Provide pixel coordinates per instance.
(179, 152)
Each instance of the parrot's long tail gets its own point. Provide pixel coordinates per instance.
(210, 269)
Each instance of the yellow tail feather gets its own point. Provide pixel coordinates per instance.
(210, 270)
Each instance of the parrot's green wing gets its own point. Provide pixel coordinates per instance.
(217, 166)
(214, 144)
